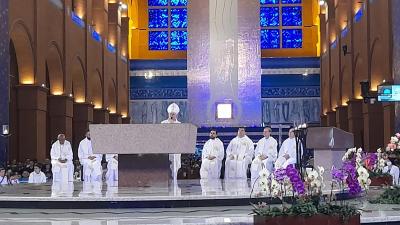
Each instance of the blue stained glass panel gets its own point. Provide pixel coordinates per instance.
(158, 40)
(292, 38)
(158, 18)
(291, 1)
(178, 18)
(264, 2)
(269, 16)
(291, 16)
(178, 40)
(270, 38)
(157, 2)
(179, 2)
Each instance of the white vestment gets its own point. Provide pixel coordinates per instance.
(37, 178)
(394, 171)
(288, 147)
(92, 169)
(267, 147)
(112, 167)
(4, 180)
(242, 150)
(212, 168)
(62, 171)
(175, 159)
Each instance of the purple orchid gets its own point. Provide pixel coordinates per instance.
(294, 177)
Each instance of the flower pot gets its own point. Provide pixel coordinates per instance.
(381, 181)
(300, 220)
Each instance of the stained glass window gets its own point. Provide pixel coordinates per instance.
(158, 18)
(179, 18)
(270, 38)
(158, 40)
(178, 40)
(286, 19)
(264, 2)
(291, 16)
(179, 2)
(292, 38)
(291, 1)
(167, 24)
(269, 16)
(158, 2)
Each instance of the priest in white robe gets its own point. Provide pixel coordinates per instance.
(211, 157)
(91, 163)
(287, 153)
(239, 155)
(265, 155)
(112, 167)
(392, 170)
(61, 160)
(37, 176)
(175, 159)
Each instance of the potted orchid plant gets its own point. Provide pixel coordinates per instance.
(308, 205)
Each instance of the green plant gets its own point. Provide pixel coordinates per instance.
(389, 196)
(345, 212)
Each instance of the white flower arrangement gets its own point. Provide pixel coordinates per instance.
(315, 180)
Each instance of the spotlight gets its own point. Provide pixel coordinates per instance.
(345, 50)
(365, 86)
(321, 2)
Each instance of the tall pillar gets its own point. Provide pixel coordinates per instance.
(356, 123)
(341, 118)
(32, 113)
(224, 61)
(4, 77)
(395, 7)
(373, 126)
(83, 116)
(101, 116)
(61, 112)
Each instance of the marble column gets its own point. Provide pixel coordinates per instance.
(224, 61)
(4, 77)
(395, 7)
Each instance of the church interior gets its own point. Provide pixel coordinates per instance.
(199, 112)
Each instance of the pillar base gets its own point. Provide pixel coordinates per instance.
(355, 121)
(115, 118)
(101, 116)
(331, 118)
(342, 118)
(389, 119)
(126, 120)
(32, 113)
(83, 116)
(61, 111)
(373, 126)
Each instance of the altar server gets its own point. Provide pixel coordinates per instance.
(392, 170)
(61, 160)
(211, 157)
(287, 153)
(239, 154)
(3, 176)
(265, 155)
(91, 162)
(112, 167)
(37, 176)
(175, 159)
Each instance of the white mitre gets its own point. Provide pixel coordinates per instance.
(173, 108)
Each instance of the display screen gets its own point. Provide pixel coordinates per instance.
(389, 93)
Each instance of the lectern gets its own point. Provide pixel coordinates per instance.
(143, 149)
(329, 144)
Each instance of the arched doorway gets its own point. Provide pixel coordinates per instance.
(21, 73)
